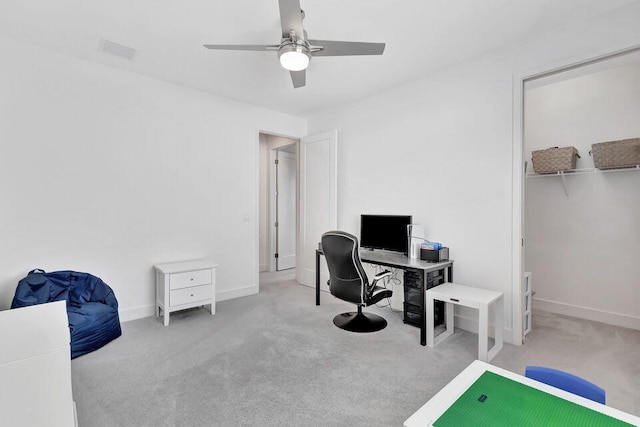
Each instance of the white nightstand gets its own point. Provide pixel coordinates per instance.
(182, 285)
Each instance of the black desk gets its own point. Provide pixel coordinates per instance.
(396, 260)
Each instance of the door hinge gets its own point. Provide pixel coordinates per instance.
(276, 161)
(277, 224)
(276, 255)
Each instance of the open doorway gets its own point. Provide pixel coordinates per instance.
(283, 202)
(278, 202)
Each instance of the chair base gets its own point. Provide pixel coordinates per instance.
(360, 322)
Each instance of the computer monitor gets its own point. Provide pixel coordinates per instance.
(388, 232)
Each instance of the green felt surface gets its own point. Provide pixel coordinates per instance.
(510, 403)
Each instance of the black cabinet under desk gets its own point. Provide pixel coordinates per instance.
(414, 296)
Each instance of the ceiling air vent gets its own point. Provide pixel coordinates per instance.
(117, 49)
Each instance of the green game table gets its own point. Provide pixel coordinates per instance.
(511, 400)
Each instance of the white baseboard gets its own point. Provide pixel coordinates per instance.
(587, 313)
(236, 293)
(75, 414)
(141, 312)
(308, 278)
(128, 314)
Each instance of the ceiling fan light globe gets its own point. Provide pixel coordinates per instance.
(294, 60)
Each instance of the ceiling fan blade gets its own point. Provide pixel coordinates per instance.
(299, 78)
(291, 18)
(335, 48)
(258, 47)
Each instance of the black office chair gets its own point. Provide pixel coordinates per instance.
(348, 281)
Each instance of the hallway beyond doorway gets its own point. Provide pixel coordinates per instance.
(267, 277)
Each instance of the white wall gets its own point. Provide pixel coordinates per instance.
(109, 172)
(440, 148)
(583, 249)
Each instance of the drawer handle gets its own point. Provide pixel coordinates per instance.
(191, 279)
(454, 299)
(191, 295)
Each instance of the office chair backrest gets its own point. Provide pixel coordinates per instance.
(567, 382)
(347, 278)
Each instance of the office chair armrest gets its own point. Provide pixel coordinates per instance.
(379, 276)
(376, 293)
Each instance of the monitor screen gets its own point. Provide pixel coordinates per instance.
(387, 232)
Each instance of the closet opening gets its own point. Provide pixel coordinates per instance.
(580, 228)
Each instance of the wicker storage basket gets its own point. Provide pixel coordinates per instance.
(554, 159)
(616, 154)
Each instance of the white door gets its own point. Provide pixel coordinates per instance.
(318, 201)
(285, 210)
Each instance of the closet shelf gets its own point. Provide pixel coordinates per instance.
(580, 172)
(572, 172)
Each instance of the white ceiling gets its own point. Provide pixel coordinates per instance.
(422, 36)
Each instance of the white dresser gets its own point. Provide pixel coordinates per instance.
(182, 285)
(35, 367)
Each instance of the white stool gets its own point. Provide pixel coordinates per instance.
(467, 296)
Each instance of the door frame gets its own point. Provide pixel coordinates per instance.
(272, 214)
(301, 276)
(518, 172)
(256, 211)
(272, 232)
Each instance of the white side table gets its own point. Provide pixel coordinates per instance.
(453, 294)
(182, 285)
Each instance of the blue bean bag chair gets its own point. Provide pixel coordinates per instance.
(92, 307)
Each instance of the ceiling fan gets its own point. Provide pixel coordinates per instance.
(295, 49)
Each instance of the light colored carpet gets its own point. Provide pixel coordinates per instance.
(276, 359)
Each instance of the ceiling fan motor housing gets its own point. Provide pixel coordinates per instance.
(294, 55)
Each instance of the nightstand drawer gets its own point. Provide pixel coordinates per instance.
(460, 300)
(189, 278)
(191, 295)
